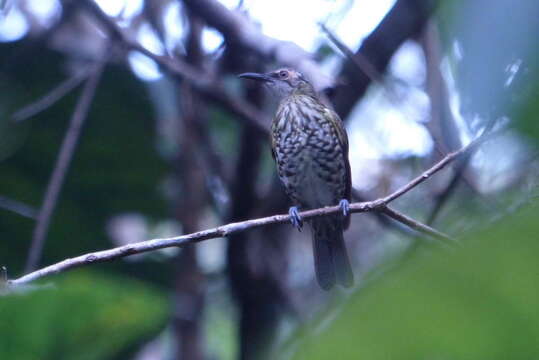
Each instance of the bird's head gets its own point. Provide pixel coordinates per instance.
(284, 82)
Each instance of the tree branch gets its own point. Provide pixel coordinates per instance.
(203, 83)
(416, 225)
(51, 97)
(459, 170)
(17, 207)
(405, 20)
(436, 167)
(228, 229)
(240, 30)
(441, 198)
(384, 220)
(60, 169)
(357, 59)
(155, 244)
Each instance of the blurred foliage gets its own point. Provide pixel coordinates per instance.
(528, 123)
(83, 316)
(115, 168)
(494, 57)
(220, 328)
(479, 301)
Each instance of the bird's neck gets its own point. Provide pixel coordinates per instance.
(306, 89)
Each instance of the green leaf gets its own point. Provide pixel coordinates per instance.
(478, 302)
(83, 316)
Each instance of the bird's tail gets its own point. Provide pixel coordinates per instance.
(331, 261)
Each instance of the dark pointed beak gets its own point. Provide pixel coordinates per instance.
(256, 76)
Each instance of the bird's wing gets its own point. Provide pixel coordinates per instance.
(338, 125)
(272, 142)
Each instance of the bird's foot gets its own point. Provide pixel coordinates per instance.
(295, 218)
(345, 207)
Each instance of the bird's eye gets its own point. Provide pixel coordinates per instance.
(283, 74)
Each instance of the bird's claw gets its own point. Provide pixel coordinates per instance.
(295, 218)
(345, 207)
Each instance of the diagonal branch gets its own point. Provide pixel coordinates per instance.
(155, 244)
(60, 169)
(232, 228)
(17, 207)
(202, 83)
(363, 64)
(239, 30)
(50, 98)
(416, 225)
(442, 198)
(389, 222)
(405, 20)
(436, 167)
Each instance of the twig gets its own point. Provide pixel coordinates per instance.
(385, 220)
(460, 168)
(17, 207)
(442, 124)
(228, 229)
(201, 82)
(60, 169)
(50, 98)
(221, 231)
(405, 20)
(394, 214)
(155, 244)
(437, 167)
(441, 198)
(239, 30)
(362, 63)
(189, 172)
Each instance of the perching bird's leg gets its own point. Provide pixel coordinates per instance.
(295, 218)
(345, 207)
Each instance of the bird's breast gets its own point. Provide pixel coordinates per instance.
(309, 159)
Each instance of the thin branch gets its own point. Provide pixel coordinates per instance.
(441, 198)
(17, 207)
(437, 167)
(228, 229)
(155, 244)
(362, 63)
(384, 220)
(405, 20)
(60, 169)
(203, 83)
(239, 30)
(460, 168)
(416, 225)
(189, 279)
(50, 98)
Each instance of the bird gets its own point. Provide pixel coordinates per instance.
(310, 148)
